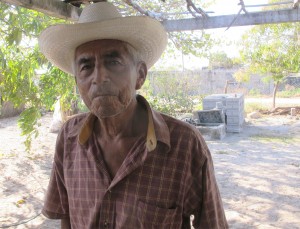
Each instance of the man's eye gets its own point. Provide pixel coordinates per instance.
(114, 62)
(85, 67)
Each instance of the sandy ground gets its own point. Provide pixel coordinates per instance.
(279, 101)
(258, 171)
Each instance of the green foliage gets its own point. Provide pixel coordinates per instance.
(28, 124)
(242, 75)
(20, 82)
(253, 106)
(254, 92)
(198, 102)
(272, 50)
(53, 85)
(289, 93)
(172, 95)
(220, 60)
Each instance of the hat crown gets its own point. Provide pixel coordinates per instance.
(100, 11)
(102, 21)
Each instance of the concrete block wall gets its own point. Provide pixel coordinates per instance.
(233, 106)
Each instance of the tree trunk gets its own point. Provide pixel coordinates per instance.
(226, 87)
(274, 93)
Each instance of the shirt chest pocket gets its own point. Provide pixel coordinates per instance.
(152, 217)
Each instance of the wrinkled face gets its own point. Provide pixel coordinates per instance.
(107, 76)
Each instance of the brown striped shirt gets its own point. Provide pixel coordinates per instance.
(165, 178)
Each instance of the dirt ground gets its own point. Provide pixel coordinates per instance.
(258, 171)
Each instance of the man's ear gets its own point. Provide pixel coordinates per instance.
(142, 74)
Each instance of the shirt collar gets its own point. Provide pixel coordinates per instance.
(157, 128)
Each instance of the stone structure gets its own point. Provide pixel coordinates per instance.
(211, 123)
(233, 108)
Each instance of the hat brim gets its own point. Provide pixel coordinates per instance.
(58, 43)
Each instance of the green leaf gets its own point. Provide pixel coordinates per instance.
(18, 36)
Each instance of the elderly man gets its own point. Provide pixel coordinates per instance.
(124, 165)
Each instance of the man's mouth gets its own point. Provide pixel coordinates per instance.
(104, 94)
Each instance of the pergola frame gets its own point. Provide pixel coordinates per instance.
(200, 20)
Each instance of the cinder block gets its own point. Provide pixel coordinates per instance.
(216, 132)
(233, 120)
(234, 109)
(209, 116)
(234, 128)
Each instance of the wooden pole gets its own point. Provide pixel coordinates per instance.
(55, 8)
(256, 18)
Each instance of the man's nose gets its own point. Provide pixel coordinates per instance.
(100, 74)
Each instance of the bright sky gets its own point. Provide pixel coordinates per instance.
(221, 7)
(232, 7)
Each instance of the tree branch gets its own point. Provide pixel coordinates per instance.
(296, 4)
(238, 14)
(78, 3)
(191, 5)
(242, 4)
(158, 16)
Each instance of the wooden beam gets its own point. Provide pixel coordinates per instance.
(270, 4)
(55, 8)
(257, 18)
(60, 9)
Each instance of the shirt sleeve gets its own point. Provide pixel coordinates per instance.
(56, 200)
(203, 199)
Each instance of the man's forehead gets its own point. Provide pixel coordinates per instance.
(105, 44)
(106, 47)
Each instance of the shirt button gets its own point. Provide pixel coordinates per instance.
(109, 194)
(106, 223)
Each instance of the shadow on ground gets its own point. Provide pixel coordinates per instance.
(259, 178)
(258, 171)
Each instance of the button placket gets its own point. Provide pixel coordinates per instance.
(107, 217)
(109, 194)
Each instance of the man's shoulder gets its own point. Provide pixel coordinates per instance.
(177, 126)
(186, 137)
(77, 118)
(73, 125)
(171, 121)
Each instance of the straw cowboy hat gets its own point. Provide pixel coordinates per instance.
(102, 21)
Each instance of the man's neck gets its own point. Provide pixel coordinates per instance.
(130, 123)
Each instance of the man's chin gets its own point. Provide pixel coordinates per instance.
(108, 108)
(108, 114)
(105, 99)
